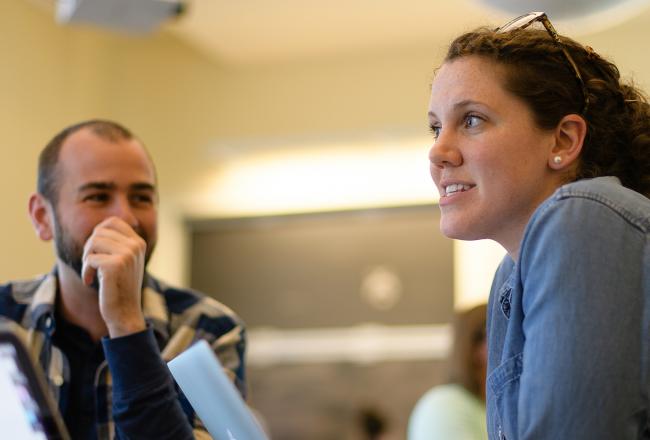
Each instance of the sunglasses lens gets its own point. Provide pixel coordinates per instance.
(520, 22)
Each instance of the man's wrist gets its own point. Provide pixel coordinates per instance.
(125, 328)
(134, 361)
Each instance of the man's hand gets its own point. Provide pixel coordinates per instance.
(115, 253)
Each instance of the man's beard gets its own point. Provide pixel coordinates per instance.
(70, 251)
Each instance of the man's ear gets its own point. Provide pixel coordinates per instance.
(569, 138)
(40, 212)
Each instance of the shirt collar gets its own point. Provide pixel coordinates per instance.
(41, 309)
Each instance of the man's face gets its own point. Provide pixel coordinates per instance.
(97, 179)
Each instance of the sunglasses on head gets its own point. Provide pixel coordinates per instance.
(526, 20)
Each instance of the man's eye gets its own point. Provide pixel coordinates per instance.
(142, 198)
(99, 197)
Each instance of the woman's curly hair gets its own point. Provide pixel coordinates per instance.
(618, 115)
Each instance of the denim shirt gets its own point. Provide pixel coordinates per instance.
(569, 321)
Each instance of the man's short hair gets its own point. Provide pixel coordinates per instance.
(47, 184)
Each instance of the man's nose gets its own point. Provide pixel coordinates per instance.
(122, 209)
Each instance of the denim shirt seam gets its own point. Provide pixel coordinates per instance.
(510, 378)
(638, 222)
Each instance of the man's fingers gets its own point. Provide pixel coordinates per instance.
(88, 272)
(109, 240)
(116, 224)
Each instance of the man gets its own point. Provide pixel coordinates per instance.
(102, 327)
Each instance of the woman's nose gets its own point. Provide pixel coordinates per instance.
(444, 151)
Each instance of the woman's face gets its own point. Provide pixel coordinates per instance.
(489, 159)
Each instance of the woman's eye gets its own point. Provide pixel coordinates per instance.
(471, 121)
(435, 131)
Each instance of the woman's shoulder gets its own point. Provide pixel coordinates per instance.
(606, 187)
(599, 196)
(585, 217)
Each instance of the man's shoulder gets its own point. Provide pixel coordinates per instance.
(194, 315)
(189, 302)
(17, 295)
(24, 287)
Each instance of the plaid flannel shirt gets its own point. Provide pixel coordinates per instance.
(176, 317)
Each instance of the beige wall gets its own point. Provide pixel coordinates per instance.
(185, 105)
(45, 82)
(180, 102)
(53, 76)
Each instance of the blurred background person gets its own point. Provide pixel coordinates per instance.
(456, 410)
(373, 423)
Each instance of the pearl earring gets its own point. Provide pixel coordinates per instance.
(557, 160)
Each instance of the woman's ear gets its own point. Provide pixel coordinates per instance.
(569, 139)
(40, 212)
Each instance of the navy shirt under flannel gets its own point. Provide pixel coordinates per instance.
(125, 380)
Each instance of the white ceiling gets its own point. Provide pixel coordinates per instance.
(253, 31)
(263, 31)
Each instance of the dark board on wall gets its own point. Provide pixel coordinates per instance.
(308, 270)
(297, 272)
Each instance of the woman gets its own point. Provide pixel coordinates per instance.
(541, 147)
(457, 410)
